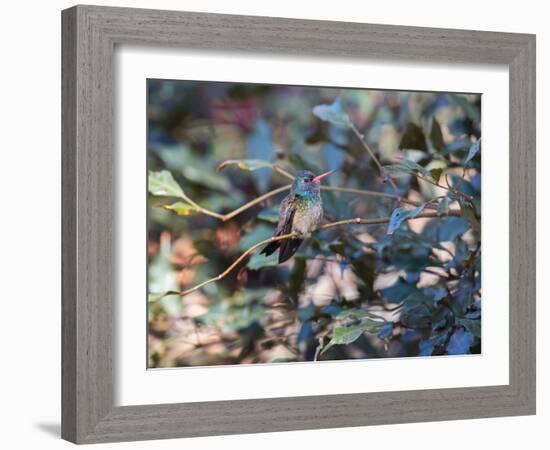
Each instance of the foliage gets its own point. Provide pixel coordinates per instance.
(407, 287)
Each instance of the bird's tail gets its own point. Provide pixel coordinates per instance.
(270, 248)
(287, 248)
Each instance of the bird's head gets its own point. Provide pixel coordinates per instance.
(306, 182)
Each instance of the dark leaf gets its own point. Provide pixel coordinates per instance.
(475, 147)
(297, 276)
(460, 342)
(436, 174)
(386, 332)
(427, 346)
(398, 291)
(413, 138)
(436, 136)
(472, 325)
(399, 215)
(446, 229)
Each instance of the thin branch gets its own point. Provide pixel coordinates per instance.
(359, 221)
(356, 221)
(282, 171)
(238, 260)
(201, 209)
(230, 215)
(353, 190)
(381, 169)
(261, 198)
(370, 193)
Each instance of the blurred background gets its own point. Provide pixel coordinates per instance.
(350, 292)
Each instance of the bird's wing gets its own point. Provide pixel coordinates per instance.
(289, 246)
(286, 215)
(284, 225)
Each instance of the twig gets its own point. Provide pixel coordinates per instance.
(370, 193)
(427, 180)
(381, 169)
(200, 208)
(261, 198)
(353, 190)
(356, 221)
(237, 261)
(282, 171)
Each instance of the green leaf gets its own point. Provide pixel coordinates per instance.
(436, 174)
(357, 313)
(349, 334)
(413, 138)
(436, 136)
(332, 113)
(181, 208)
(474, 148)
(399, 215)
(259, 261)
(193, 167)
(245, 164)
(163, 184)
(344, 335)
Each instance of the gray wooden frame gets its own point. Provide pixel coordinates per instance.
(90, 34)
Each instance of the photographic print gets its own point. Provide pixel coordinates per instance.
(292, 224)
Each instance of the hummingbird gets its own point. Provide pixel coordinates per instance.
(301, 212)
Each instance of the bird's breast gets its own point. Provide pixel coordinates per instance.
(307, 217)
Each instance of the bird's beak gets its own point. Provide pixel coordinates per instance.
(318, 178)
